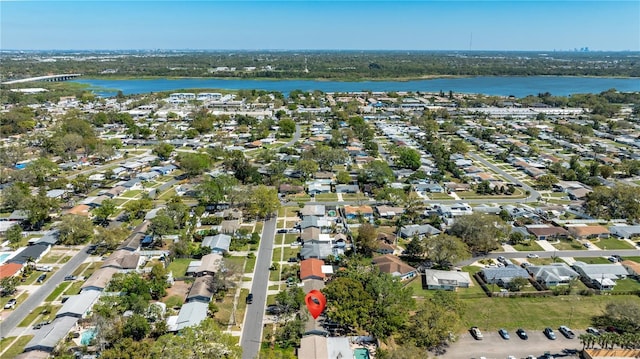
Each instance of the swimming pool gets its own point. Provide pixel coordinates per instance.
(361, 353)
(4, 256)
(87, 336)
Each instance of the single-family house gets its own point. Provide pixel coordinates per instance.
(49, 336)
(602, 276)
(9, 270)
(420, 230)
(219, 243)
(310, 234)
(122, 260)
(314, 221)
(553, 274)
(393, 265)
(230, 226)
(632, 267)
(209, 264)
(202, 289)
(446, 280)
(100, 279)
(133, 184)
(389, 211)
(585, 232)
(503, 275)
(31, 253)
(347, 188)
(547, 232)
(313, 210)
(191, 314)
(115, 191)
(79, 305)
(314, 188)
(311, 269)
(317, 249)
(290, 189)
(625, 231)
(321, 347)
(79, 210)
(352, 212)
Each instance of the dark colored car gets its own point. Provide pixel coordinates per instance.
(40, 325)
(504, 334)
(70, 277)
(249, 298)
(275, 309)
(549, 333)
(292, 260)
(41, 278)
(522, 334)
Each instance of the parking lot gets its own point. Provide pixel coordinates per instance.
(493, 346)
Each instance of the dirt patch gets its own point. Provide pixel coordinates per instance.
(179, 288)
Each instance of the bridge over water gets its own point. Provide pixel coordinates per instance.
(48, 78)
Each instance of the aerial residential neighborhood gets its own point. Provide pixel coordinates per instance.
(429, 220)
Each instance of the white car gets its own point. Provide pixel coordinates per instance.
(532, 255)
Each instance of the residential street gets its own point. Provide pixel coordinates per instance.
(549, 254)
(252, 331)
(533, 194)
(23, 309)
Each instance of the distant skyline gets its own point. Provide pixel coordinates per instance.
(321, 25)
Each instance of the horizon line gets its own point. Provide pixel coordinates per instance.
(579, 50)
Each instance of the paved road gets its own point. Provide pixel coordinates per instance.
(252, 328)
(35, 298)
(548, 254)
(533, 194)
(296, 137)
(97, 169)
(493, 346)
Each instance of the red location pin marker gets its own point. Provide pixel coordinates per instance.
(315, 302)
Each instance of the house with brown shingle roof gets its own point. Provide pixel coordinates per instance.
(201, 290)
(584, 232)
(312, 269)
(546, 232)
(632, 267)
(393, 265)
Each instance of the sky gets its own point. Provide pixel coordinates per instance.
(320, 25)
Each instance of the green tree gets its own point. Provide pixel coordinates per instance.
(459, 146)
(287, 127)
(15, 195)
(205, 340)
(107, 209)
(14, 235)
(194, 164)
(343, 177)
(444, 250)
(516, 238)
(110, 238)
(377, 172)
(517, 283)
(415, 248)
(436, 320)
(545, 182)
(136, 327)
(478, 231)
(162, 224)
(8, 285)
(263, 201)
(606, 171)
(214, 190)
(367, 240)
(408, 158)
(163, 150)
(348, 303)
(307, 168)
(74, 229)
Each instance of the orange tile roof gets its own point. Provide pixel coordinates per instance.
(311, 267)
(9, 270)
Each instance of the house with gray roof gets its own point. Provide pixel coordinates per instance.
(503, 275)
(419, 230)
(79, 305)
(446, 280)
(201, 290)
(191, 314)
(347, 188)
(313, 210)
(219, 243)
(553, 274)
(624, 231)
(122, 260)
(316, 249)
(602, 276)
(47, 338)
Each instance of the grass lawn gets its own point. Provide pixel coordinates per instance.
(258, 228)
(277, 253)
(280, 223)
(179, 266)
(16, 348)
(354, 197)
(251, 264)
(132, 193)
(271, 299)
(274, 275)
(167, 195)
(626, 284)
(437, 196)
(223, 315)
(51, 258)
(74, 288)
(540, 261)
(592, 260)
(173, 301)
(47, 311)
(291, 252)
(323, 197)
(241, 307)
(528, 246)
(56, 292)
(632, 258)
(612, 243)
(536, 313)
(290, 238)
(568, 245)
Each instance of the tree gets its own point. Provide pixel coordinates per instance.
(517, 283)
(163, 150)
(162, 223)
(107, 209)
(307, 167)
(194, 163)
(459, 146)
(136, 327)
(343, 177)
(38, 208)
(367, 240)
(623, 315)
(263, 201)
(478, 231)
(606, 171)
(516, 238)
(415, 248)
(8, 285)
(14, 235)
(138, 208)
(287, 127)
(348, 303)
(377, 172)
(619, 201)
(74, 229)
(435, 321)
(408, 158)
(15, 195)
(444, 250)
(290, 299)
(547, 181)
(205, 340)
(110, 238)
(214, 190)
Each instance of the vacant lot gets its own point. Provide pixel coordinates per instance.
(536, 313)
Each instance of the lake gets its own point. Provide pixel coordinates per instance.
(500, 86)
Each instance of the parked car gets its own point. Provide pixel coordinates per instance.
(501, 259)
(292, 260)
(40, 325)
(504, 334)
(44, 268)
(70, 277)
(549, 333)
(477, 334)
(11, 304)
(283, 230)
(567, 332)
(594, 331)
(532, 255)
(275, 309)
(249, 299)
(522, 334)
(41, 278)
(587, 245)
(613, 259)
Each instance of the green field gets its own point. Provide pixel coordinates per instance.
(592, 260)
(536, 313)
(179, 266)
(528, 246)
(612, 243)
(627, 284)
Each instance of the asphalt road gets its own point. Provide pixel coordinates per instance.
(296, 137)
(493, 346)
(252, 331)
(35, 298)
(533, 194)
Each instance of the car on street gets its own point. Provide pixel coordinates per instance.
(504, 333)
(567, 332)
(292, 260)
(477, 334)
(594, 331)
(11, 304)
(532, 255)
(548, 332)
(70, 277)
(249, 299)
(522, 334)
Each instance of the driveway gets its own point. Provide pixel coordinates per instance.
(493, 346)
(252, 331)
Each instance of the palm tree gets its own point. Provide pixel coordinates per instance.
(584, 339)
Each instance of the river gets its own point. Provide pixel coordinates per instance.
(499, 86)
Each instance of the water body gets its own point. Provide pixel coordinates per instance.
(500, 86)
